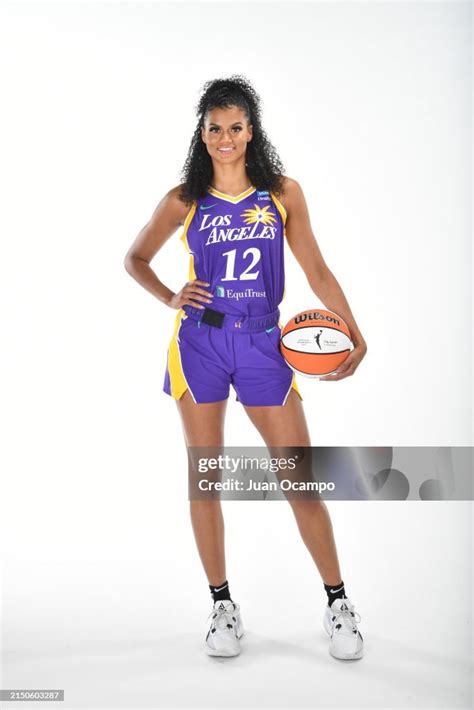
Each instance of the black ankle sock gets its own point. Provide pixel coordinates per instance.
(334, 591)
(220, 592)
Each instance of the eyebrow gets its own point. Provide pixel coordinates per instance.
(234, 124)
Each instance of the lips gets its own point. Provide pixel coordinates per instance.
(225, 151)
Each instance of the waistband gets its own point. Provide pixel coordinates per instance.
(238, 324)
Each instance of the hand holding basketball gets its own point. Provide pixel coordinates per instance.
(317, 343)
(349, 365)
(191, 294)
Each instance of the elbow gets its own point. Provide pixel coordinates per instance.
(131, 262)
(324, 273)
(128, 262)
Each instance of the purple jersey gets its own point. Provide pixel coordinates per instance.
(236, 244)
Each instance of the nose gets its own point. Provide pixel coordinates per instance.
(226, 139)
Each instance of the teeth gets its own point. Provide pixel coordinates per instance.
(225, 150)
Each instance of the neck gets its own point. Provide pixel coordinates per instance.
(231, 190)
(230, 179)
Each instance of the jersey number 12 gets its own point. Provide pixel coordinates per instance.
(246, 275)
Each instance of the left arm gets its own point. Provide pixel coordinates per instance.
(322, 281)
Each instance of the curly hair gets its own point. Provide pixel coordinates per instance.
(264, 167)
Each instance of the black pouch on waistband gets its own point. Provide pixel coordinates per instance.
(212, 317)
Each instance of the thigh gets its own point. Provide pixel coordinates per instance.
(283, 428)
(203, 428)
(203, 424)
(281, 425)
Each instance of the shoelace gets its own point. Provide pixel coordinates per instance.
(347, 612)
(228, 612)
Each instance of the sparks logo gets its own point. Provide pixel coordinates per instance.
(259, 214)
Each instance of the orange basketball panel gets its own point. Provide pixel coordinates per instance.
(313, 364)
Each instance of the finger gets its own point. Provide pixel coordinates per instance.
(200, 291)
(195, 304)
(339, 375)
(202, 299)
(344, 366)
(329, 377)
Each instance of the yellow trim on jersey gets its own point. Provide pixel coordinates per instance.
(280, 207)
(177, 380)
(295, 386)
(231, 198)
(284, 215)
(184, 239)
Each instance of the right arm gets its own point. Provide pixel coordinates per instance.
(168, 216)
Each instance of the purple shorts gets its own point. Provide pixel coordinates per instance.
(206, 359)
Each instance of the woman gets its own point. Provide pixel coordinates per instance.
(236, 207)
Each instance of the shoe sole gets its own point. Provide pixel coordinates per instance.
(222, 654)
(356, 657)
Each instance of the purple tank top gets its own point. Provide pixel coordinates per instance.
(236, 244)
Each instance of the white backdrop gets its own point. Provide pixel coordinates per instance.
(369, 106)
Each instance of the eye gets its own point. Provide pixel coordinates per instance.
(214, 129)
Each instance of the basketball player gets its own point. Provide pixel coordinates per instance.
(236, 208)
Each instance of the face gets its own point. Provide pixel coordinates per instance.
(226, 134)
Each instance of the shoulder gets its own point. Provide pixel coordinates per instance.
(177, 207)
(290, 194)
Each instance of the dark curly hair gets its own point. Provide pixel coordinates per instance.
(264, 167)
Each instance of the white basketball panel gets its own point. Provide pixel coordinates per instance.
(316, 339)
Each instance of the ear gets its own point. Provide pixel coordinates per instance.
(202, 134)
(250, 130)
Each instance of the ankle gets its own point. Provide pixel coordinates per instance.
(220, 592)
(335, 591)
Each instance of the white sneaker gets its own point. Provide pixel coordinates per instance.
(226, 629)
(340, 622)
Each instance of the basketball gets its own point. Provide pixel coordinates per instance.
(314, 343)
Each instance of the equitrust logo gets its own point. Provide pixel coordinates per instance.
(316, 315)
